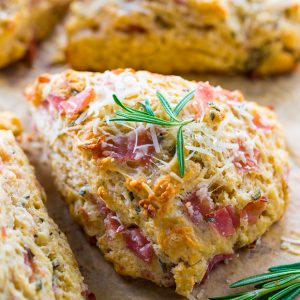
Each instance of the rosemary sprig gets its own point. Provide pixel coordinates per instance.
(148, 116)
(280, 282)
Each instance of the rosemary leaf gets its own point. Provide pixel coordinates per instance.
(261, 277)
(127, 108)
(183, 102)
(166, 106)
(180, 151)
(285, 267)
(147, 108)
(284, 292)
(146, 119)
(292, 295)
(281, 282)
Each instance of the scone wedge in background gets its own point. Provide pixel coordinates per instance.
(125, 185)
(35, 258)
(256, 37)
(23, 23)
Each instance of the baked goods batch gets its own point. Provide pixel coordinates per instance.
(35, 257)
(259, 37)
(168, 176)
(121, 180)
(25, 22)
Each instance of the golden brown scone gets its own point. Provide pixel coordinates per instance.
(166, 36)
(35, 258)
(23, 23)
(121, 179)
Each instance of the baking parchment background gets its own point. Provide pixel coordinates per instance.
(283, 93)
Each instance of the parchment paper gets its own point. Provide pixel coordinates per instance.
(283, 93)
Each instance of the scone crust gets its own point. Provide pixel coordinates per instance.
(25, 22)
(167, 36)
(236, 169)
(35, 257)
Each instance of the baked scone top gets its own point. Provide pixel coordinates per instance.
(180, 36)
(234, 186)
(36, 260)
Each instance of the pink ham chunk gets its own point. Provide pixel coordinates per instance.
(77, 103)
(244, 162)
(71, 106)
(218, 259)
(29, 261)
(198, 205)
(224, 221)
(133, 147)
(203, 95)
(254, 209)
(113, 225)
(134, 237)
(139, 244)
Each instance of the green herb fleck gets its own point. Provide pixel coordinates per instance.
(131, 196)
(163, 265)
(138, 209)
(256, 195)
(213, 105)
(211, 220)
(38, 284)
(83, 190)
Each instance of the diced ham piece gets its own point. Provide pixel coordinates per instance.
(73, 105)
(139, 244)
(222, 221)
(77, 103)
(204, 94)
(125, 148)
(28, 259)
(113, 225)
(104, 210)
(199, 204)
(243, 160)
(88, 295)
(132, 28)
(216, 260)
(134, 237)
(3, 232)
(235, 217)
(260, 123)
(54, 100)
(254, 209)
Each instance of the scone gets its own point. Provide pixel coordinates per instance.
(23, 23)
(259, 37)
(35, 258)
(166, 199)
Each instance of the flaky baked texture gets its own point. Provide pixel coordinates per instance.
(25, 22)
(121, 178)
(259, 37)
(35, 258)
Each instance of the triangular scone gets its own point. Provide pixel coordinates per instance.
(35, 258)
(23, 23)
(166, 36)
(122, 180)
